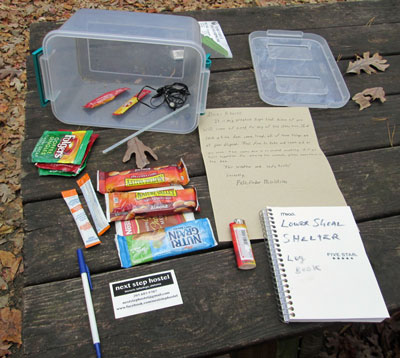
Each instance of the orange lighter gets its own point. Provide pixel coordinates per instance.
(242, 246)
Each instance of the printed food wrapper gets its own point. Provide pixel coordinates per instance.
(61, 147)
(147, 203)
(135, 179)
(73, 169)
(172, 241)
(138, 226)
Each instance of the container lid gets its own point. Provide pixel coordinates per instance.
(293, 68)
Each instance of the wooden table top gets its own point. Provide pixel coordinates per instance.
(224, 308)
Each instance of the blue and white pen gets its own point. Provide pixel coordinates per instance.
(87, 286)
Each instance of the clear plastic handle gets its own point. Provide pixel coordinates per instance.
(285, 33)
(204, 91)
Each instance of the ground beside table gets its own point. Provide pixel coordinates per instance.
(223, 309)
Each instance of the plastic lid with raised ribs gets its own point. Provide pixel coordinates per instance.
(293, 68)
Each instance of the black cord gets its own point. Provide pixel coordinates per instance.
(174, 95)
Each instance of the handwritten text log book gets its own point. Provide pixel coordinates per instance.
(321, 269)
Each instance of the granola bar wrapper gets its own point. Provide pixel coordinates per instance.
(148, 203)
(136, 179)
(172, 241)
(153, 223)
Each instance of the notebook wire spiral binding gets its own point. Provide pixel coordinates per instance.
(281, 284)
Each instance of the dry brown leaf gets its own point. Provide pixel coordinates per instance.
(375, 93)
(12, 72)
(18, 240)
(3, 108)
(365, 97)
(15, 267)
(135, 145)
(7, 275)
(10, 325)
(370, 21)
(363, 101)
(4, 349)
(6, 194)
(364, 63)
(15, 82)
(6, 229)
(3, 303)
(3, 284)
(7, 259)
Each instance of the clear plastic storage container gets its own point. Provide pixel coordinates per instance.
(97, 51)
(296, 69)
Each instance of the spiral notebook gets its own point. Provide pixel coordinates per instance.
(321, 270)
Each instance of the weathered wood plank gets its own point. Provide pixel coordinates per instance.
(295, 17)
(215, 316)
(338, 130)
(51, 233)
(304, 17)
(369, 182)
(168, 147)
(187, 330)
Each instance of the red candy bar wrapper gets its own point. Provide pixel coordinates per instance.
(128, 180)
(70, 168)
(146, 203)
(104, 98)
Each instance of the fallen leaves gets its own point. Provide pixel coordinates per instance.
(17, 84)
(6, 258)
(8, 71)
(4, 349)
(6, 194)
(10, 325)
(368, 340)
(365, 97)
(367, 64)
(6, 229)
(11, 264)
(10, 318)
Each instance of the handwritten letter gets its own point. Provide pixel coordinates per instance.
(263, 156)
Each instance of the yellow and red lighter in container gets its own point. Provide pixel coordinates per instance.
(242, 246)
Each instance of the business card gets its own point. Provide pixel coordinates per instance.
(145, 293)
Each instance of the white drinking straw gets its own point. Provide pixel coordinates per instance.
(151, 125)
